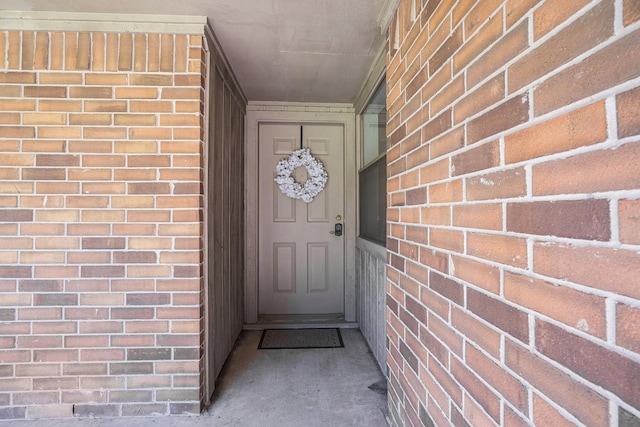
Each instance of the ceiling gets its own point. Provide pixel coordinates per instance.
(280, 50)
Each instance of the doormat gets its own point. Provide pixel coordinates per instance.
(279, 339)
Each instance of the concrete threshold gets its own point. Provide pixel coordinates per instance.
(297, 321)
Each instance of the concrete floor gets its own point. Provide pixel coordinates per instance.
(315, 387)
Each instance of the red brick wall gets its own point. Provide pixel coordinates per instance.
(514, 187)
(100, 224)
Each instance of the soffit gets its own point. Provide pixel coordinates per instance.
(279, 50)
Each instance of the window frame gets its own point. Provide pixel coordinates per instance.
(371, 163)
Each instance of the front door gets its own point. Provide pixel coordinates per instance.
(301, 259)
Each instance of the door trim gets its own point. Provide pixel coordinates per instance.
(260, 112)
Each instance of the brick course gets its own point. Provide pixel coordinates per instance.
(523, 258)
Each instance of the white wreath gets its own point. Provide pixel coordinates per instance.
(312, 186)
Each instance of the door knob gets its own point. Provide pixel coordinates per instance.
(337, 230)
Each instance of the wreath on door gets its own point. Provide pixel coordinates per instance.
(312, 186)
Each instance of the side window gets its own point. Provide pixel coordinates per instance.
(373, 176)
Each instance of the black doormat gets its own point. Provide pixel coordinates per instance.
(279, 339)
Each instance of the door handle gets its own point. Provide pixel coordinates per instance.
(337, 230)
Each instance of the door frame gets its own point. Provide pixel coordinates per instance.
(270, 112)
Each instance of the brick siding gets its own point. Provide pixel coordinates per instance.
(513, 236)
(100, 224)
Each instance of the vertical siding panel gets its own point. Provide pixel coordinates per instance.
(225, 234)
(371, 283)
(225, 222)
(357, 279)
(382, 304)
(372, 301)
(226, 182)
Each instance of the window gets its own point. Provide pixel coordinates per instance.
(373, 176)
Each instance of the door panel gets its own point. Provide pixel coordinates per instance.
(318, 271)
(284, 267)
(301, 264)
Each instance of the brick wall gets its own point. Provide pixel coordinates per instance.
(100, 224)
(514, 240)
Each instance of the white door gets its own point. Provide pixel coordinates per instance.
(301, 261)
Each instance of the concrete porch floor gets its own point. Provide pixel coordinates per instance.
(314, 387)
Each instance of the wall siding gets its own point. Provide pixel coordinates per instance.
(513, 269)
(225, 221)
(100, 223)
(371, 278)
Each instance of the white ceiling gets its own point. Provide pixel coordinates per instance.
(280, 50)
